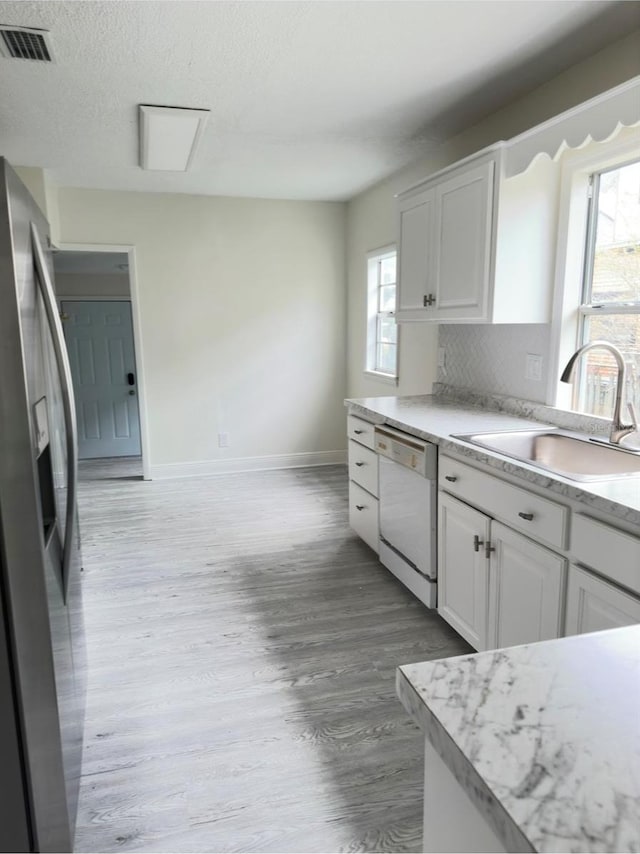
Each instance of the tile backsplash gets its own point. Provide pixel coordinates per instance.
(493, 358)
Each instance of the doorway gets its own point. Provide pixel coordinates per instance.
(95, 300)
(99, 336)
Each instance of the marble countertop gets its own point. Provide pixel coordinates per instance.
(544, 738)
(435, 418)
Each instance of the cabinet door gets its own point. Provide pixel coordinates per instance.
(462, 571)
(463, 214)
(525, 590)
(415, 263)
(593, 604)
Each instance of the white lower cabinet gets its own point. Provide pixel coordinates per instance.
(363, 482)
(363, 515)
(594, 604)
(463, 571)
(496, 587)
(525, 590)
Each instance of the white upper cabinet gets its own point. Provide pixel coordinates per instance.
(463, 244)
(415, 215)
(477, 247)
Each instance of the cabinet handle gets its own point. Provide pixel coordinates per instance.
(428, 299)
(477, 542)
(359, 464)
(527, 516)
(488, 549)
(359, 506)
(451, 478)
(358, 432)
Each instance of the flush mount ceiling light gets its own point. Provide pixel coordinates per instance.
(169, 137)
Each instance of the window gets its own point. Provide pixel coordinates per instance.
(382, 330)
(610, 305)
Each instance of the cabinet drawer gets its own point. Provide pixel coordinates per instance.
(613, 553)
(538, 517)
(363, 467)
(360, 430)
(363, 515)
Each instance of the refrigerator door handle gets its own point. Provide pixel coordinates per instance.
(68, 400)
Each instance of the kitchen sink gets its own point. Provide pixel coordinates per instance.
(567, 455)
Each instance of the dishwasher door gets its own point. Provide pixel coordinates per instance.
(407, 502)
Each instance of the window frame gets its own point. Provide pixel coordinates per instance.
(374, 315)
(576, 169)
(588, 308)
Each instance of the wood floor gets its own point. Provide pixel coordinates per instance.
(242, 644)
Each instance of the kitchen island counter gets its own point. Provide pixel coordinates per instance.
(544, 739)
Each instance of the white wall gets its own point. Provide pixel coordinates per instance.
(44, 193)
(370, 224)
(243, 319)
(92, 284)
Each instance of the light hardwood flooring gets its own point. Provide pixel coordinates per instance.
(242, 646)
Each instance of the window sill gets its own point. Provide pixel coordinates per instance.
(385, 378)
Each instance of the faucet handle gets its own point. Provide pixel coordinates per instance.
(634, 415)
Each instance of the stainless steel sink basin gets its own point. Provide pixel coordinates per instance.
(569, 456)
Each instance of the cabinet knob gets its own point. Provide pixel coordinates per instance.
(428, 299)
(477, 542)
(359, 464)
(358, 432)
(527, 516)
(488, 548)
(359, 506)
(450, 477)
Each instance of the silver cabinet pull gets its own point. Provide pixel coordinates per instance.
(428, 299)
(359, 506)
(358, 432)
(450, 477)
(527, 516)
(488, 549)
(477, 542)
(359, 464)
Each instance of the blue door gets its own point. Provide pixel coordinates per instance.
(99, 339)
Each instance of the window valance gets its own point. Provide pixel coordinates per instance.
(597, 120)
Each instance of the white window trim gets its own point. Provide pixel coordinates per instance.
(570, 256)
(370, 319)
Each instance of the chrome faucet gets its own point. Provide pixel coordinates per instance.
(618, 429)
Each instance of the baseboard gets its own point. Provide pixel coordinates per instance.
(240, 464)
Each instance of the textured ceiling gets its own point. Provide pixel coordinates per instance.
(313, 100)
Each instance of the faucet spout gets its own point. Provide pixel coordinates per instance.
(618, 429)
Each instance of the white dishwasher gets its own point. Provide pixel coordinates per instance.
(407, 507)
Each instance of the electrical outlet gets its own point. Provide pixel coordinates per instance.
(533, 367)
(223, 440)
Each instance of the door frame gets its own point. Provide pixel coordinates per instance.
(134, 298)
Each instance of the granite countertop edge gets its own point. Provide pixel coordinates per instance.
(475, 786)
(586, 492)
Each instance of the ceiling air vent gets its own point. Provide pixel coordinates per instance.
(25, 43)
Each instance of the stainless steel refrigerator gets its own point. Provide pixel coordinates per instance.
(42, 651)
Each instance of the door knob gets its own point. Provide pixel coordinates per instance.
(131, 391)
